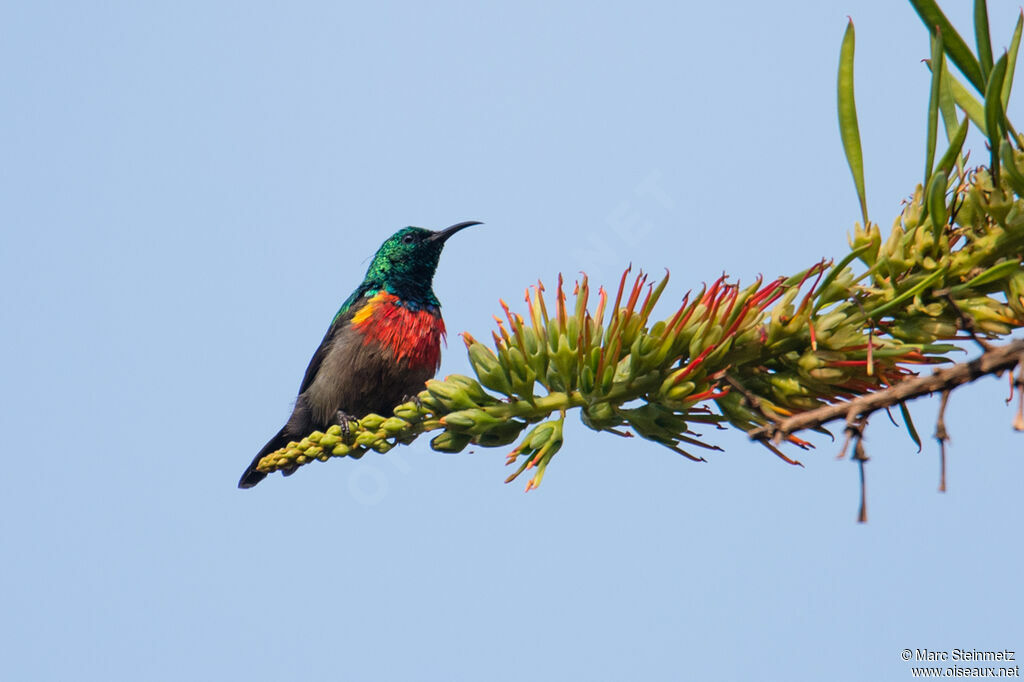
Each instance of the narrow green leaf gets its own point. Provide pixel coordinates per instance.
(953, 153)
(909, 293)
(947, 105)
(1011, 61)
(909, 423)
(848, 129)
(939, 348)
(933, 106)
(970, 104)
(994, 114)
(1013, 174)
(982, 39)
(993, 274)
(935, 196)
(901, 350)
(955, 46)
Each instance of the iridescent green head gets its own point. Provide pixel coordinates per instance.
(404, 265)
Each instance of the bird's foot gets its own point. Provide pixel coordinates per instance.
(343, 420)
(413, 398)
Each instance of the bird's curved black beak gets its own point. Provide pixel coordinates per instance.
(442, 235)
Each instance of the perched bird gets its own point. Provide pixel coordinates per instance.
(381, 347)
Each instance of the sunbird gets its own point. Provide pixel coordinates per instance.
(382, 345)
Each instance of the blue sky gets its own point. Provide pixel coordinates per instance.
(189, 191)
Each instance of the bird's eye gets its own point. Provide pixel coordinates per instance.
(408, 239)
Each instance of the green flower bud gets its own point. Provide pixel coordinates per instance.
(623, 371)
(826, 323)
(522, 375)
(737, 413)
(830, 375)
(810, 360)
(912, 211)
(572, 333)
(600, 415)
(458, 420)
(787, 385)
(371, 422)
(990, 316)
(501, 433)
(451, 396)
(679, 392)
(553, 380)
(536, 352)
(586, 379)
(997, 204)
(708, 335)
(862, 236)
(924, 240)
(540, 435)
(531, 344)
(565, 361)
(448, 441)
(367, 438)
(933, 309)
(473, 389)
(429, 403)
(485, 364)
(409, 411)
(393, 425)
(670, 381)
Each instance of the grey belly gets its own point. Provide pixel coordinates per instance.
(358, 378)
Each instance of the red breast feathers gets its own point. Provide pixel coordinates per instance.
(412, 336)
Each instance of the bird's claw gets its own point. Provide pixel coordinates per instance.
(414, 398)
(343, 420)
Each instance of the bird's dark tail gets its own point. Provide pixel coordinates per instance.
(252, 475)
